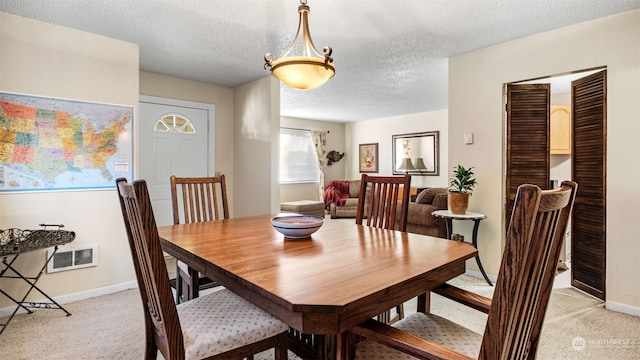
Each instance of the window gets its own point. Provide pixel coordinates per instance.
(174, 123)
(298, 160)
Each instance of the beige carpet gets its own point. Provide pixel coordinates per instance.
(111, 327)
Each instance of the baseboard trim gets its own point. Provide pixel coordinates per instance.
(622, 308)
(82, 295)
(478, 275)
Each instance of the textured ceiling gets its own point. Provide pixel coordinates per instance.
(390, 56)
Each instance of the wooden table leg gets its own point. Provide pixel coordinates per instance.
(346, 346)
(424, 303)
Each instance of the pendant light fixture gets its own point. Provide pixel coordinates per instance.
(311, 69)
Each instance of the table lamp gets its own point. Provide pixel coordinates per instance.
(420, 164)
(406, 165)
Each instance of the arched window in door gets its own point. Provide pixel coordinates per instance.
(174, 123)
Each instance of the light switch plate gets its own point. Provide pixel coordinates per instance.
(468, 138)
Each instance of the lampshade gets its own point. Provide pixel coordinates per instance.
(304, 72)
(420, 165)
(406, 165)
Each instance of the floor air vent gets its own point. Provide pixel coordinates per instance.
(72, 258)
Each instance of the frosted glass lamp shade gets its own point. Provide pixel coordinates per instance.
(302, 72)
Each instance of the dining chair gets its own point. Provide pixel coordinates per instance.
(383, 210)
(197, 199)
(516, 313)
(219, 325)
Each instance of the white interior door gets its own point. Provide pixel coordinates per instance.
(179, 151)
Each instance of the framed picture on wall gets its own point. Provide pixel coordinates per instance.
(368, 158)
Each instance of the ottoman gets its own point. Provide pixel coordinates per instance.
(305, 207)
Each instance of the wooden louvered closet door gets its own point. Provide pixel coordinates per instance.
(588, 236)
(527, 148)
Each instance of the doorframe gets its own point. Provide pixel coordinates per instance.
(211, 125)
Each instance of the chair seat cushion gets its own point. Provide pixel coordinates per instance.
(222, 321)
(427, 326)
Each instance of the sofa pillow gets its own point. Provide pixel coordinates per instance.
(354, 188)
(426, 196)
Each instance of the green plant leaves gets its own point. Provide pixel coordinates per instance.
(463, 180)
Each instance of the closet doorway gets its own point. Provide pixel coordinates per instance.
(529, 160)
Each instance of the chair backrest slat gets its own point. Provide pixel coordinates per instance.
(163, 329)
(534, 240)
(383, 207)
(203, 198)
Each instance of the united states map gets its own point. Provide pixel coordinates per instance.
(48, 148)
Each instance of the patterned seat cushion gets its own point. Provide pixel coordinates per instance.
(427, 326)
(222, 321)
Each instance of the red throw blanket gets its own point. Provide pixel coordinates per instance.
(337, 192)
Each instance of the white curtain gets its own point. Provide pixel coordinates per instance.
(319, 139)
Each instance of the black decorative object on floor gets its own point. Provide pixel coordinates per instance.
(13, 243)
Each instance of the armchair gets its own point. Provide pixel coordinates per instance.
(419, 218)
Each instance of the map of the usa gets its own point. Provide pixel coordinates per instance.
(50, 144)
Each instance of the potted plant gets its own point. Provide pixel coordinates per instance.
(460, 189)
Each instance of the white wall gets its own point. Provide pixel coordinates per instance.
(42, 59)
(256, 147)
(380, 131)
(335, 141)
(476, 104)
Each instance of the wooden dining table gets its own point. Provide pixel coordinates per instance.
(324, 285)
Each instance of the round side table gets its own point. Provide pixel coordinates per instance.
(476, 218)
